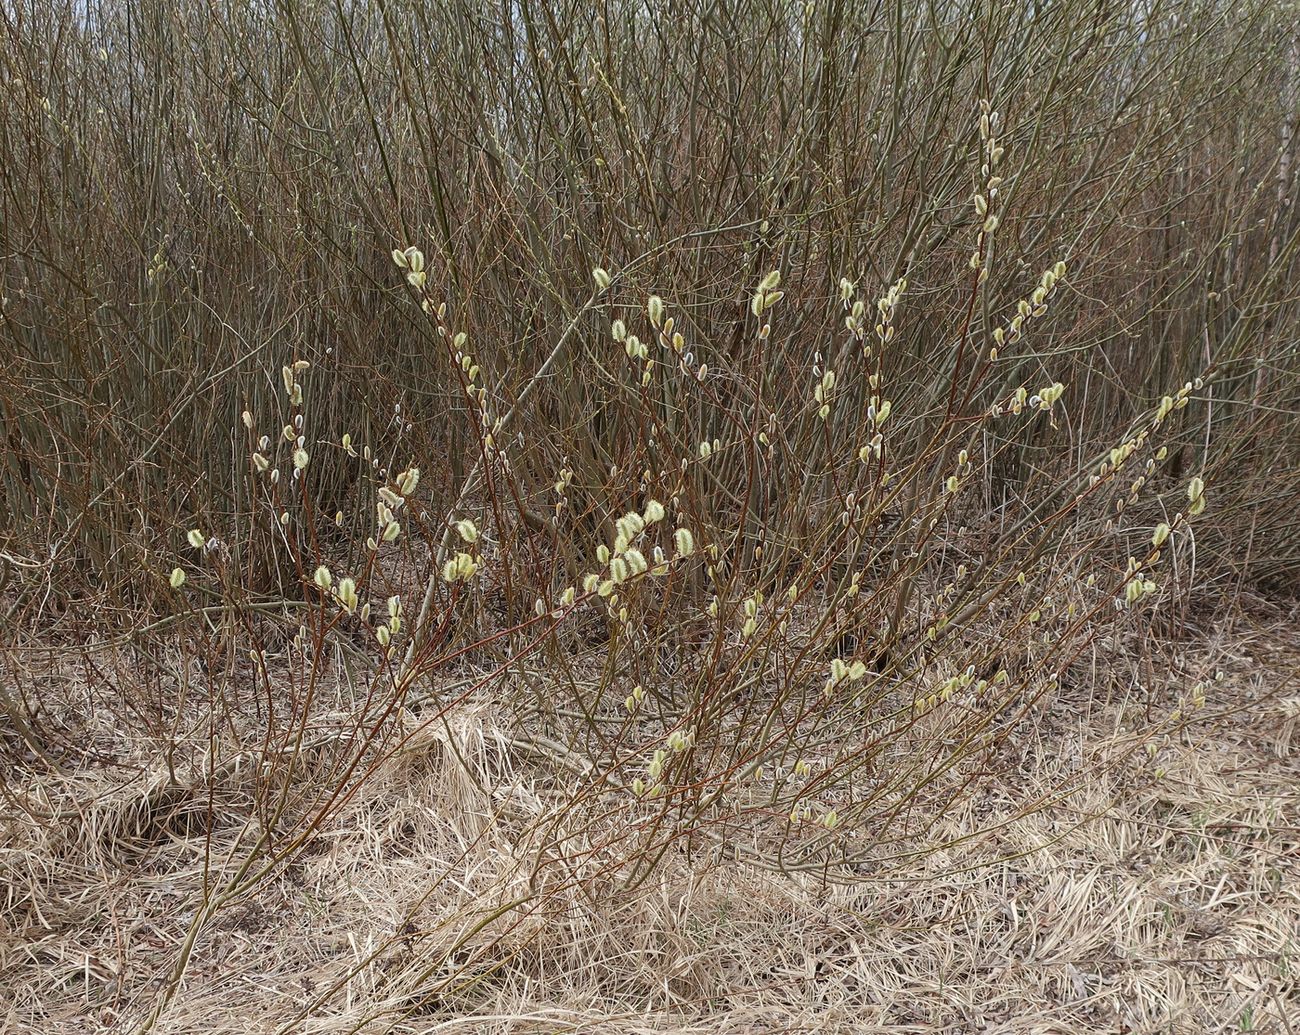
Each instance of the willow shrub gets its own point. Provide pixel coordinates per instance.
(786, 613)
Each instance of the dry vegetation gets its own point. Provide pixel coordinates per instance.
(724, 517)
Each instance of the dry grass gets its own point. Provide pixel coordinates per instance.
(1158, 894)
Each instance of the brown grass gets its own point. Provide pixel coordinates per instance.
(1156, 894)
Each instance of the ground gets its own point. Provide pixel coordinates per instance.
(1160, 894)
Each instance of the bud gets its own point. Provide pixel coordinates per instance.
(1051, 393)
(177, 578)
(408, 480)
(347, 595)
(601, 277)
(636, 561)
(460, 568)
(684, 542)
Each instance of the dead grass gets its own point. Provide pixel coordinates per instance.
(454, 894)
